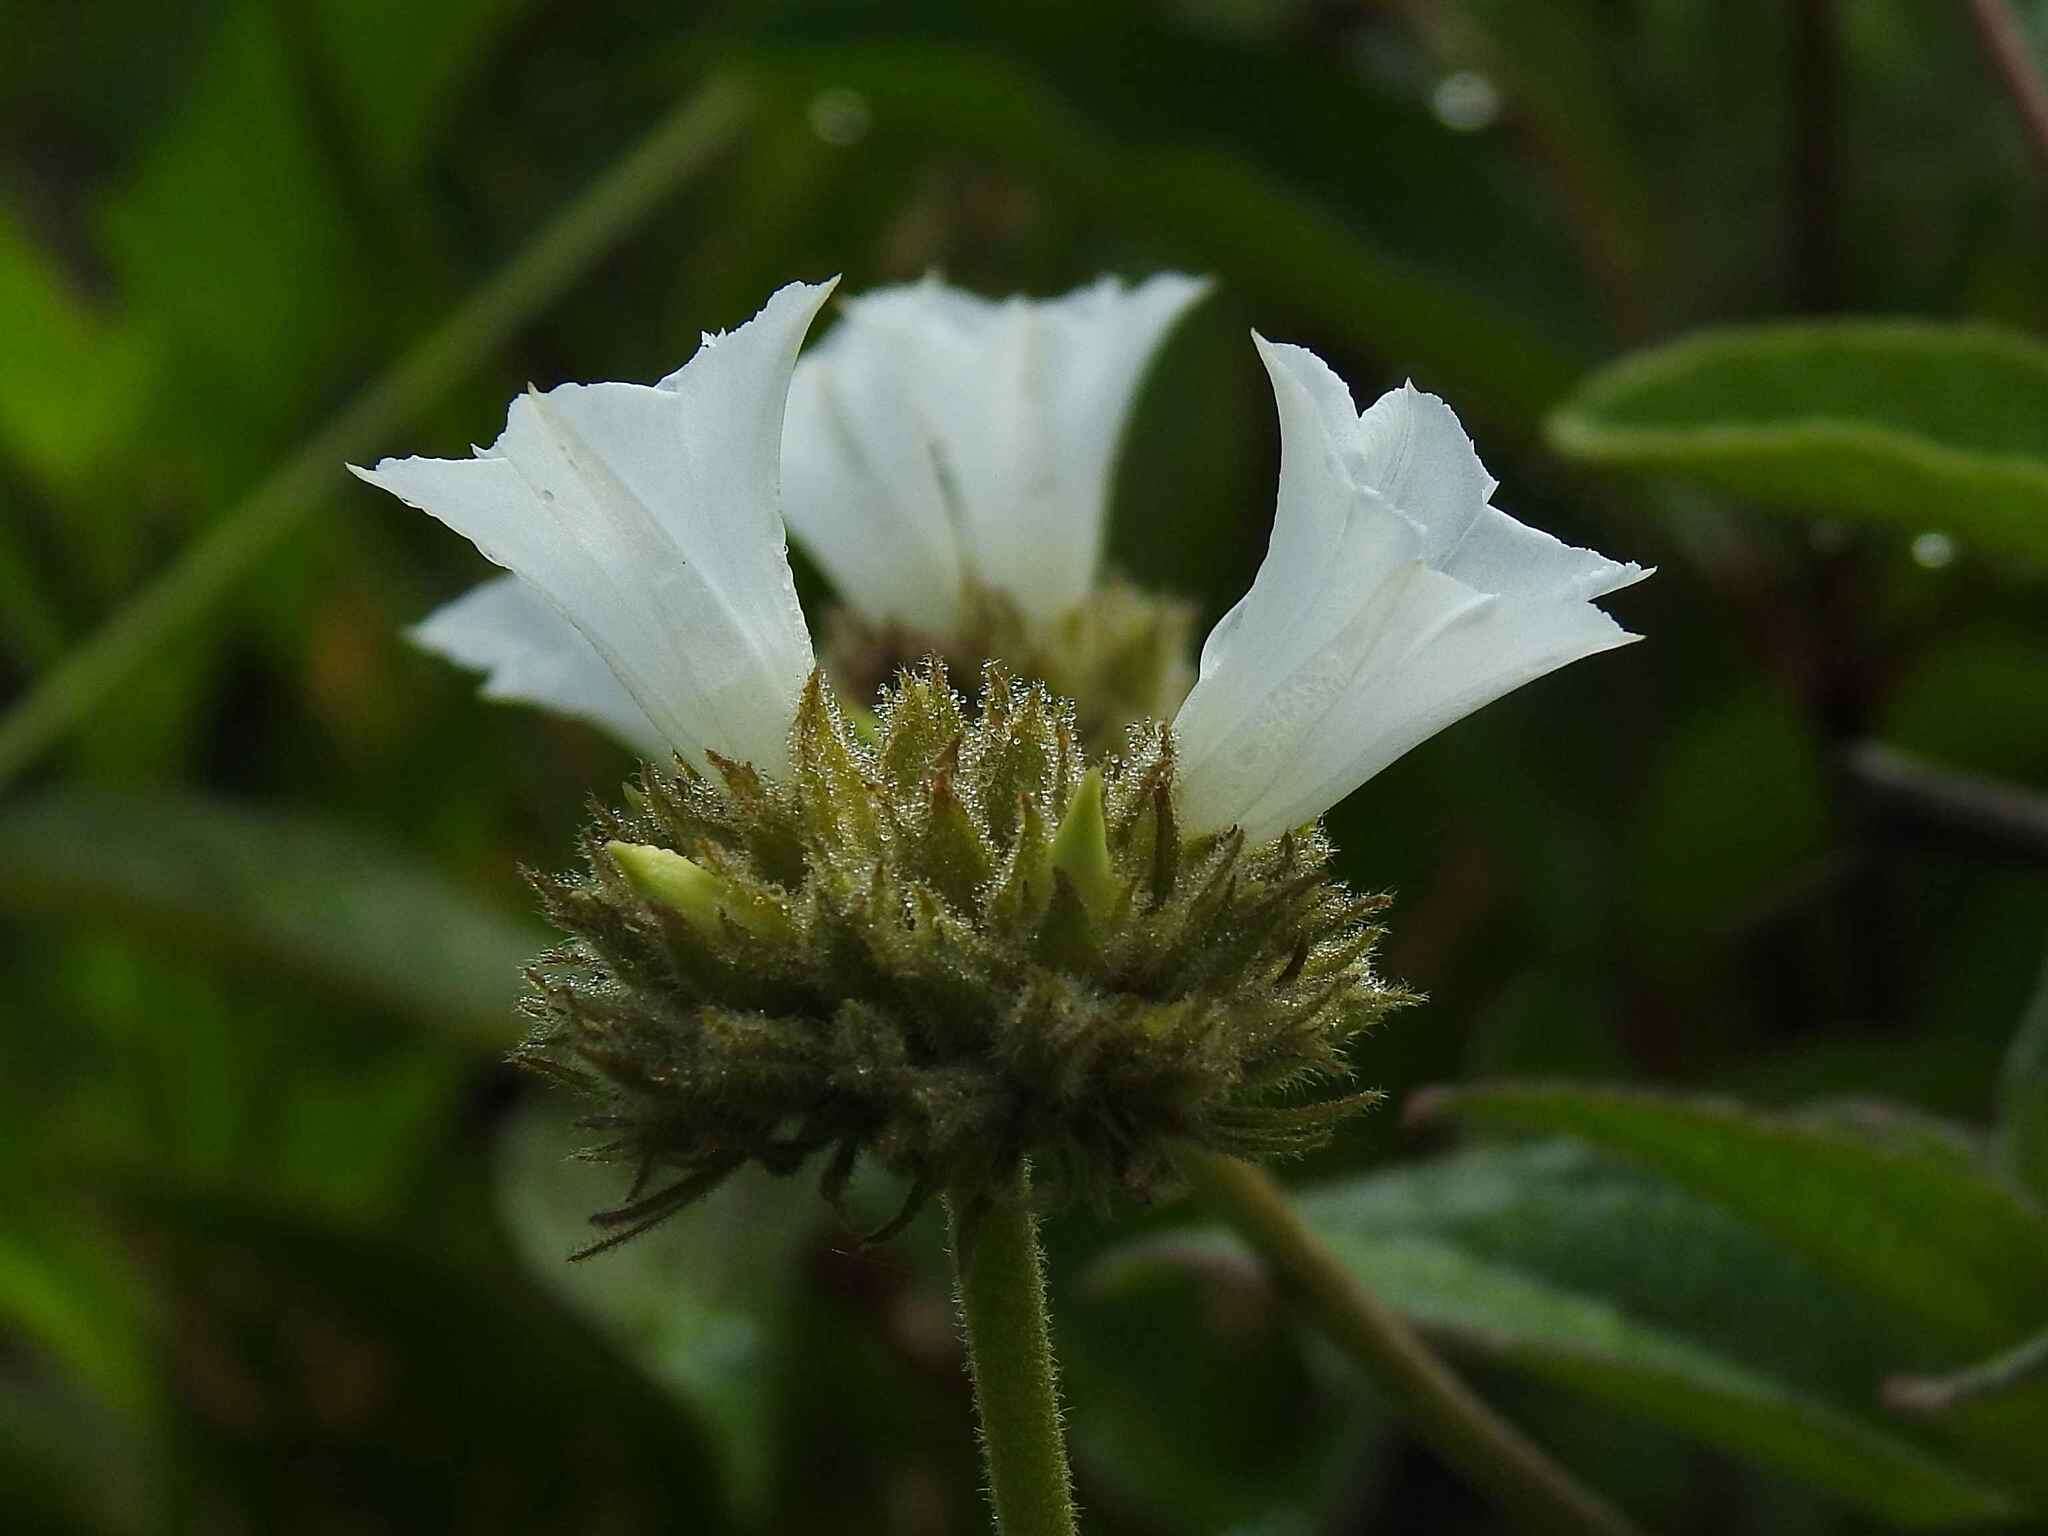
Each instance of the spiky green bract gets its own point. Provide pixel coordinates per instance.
(1121, 650)
(949, 951)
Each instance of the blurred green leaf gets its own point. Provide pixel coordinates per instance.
(59, 432)
(1202, 1409)
(1984, 929)
(697, 1302)
(1554, 65)
(350, 1140)
(1734, 812)
(1891, 1206)
(1940, 706)
(401, 67)
(29, 622)
(321, 1353)
(2003, 1432)
(1923, 426)
(293, 895)
(63, 1287)
(234, 246)
(68, 1469)
(1933, 1069)
(1605, 1282)
(217, 216)
(677, 149)
(1296, 256)
(2021, 1142)
(1554, 1018)
(1187, 463)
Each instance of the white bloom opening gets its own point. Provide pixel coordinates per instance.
(1393, 600)
(936, 438)
(648, 518)
(933, 438)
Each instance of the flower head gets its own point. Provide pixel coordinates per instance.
(1393, 600)
(948, 952)
(945, 458)
(647, 520)
(957, 941)
(941, 443)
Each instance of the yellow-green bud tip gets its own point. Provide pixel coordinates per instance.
(668, 880)
(1080, 849)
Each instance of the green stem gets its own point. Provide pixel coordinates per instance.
(1498, 1458)
(237, 542)
(1001, 1291)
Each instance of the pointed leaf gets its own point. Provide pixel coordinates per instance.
(1891, 1208)
(286, 894)
(1568, 1268)
(1918, 425)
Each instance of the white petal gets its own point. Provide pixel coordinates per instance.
(530, 654)
(1416, 455)
(1392, 601)
(936, 434)
(649, 519)
(860, 483)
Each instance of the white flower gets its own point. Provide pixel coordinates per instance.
(935, 439)
(648, 520)
(932, 439)
(1393, 600)
(530, 654)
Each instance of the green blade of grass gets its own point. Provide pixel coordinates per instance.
(209, 568)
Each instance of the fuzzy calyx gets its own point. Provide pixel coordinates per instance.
(950, 949)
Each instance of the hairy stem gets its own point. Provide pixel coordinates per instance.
(1001, 1291)
(1497, 1457)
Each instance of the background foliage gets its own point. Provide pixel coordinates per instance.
(1729, 937)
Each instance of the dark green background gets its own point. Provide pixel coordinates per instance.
(262, 1262)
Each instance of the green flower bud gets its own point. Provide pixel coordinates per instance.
(1080, 849)
(955, 948)
(667, 879)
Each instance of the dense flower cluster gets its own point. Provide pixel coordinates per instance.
(951, 950)
(931, 933)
